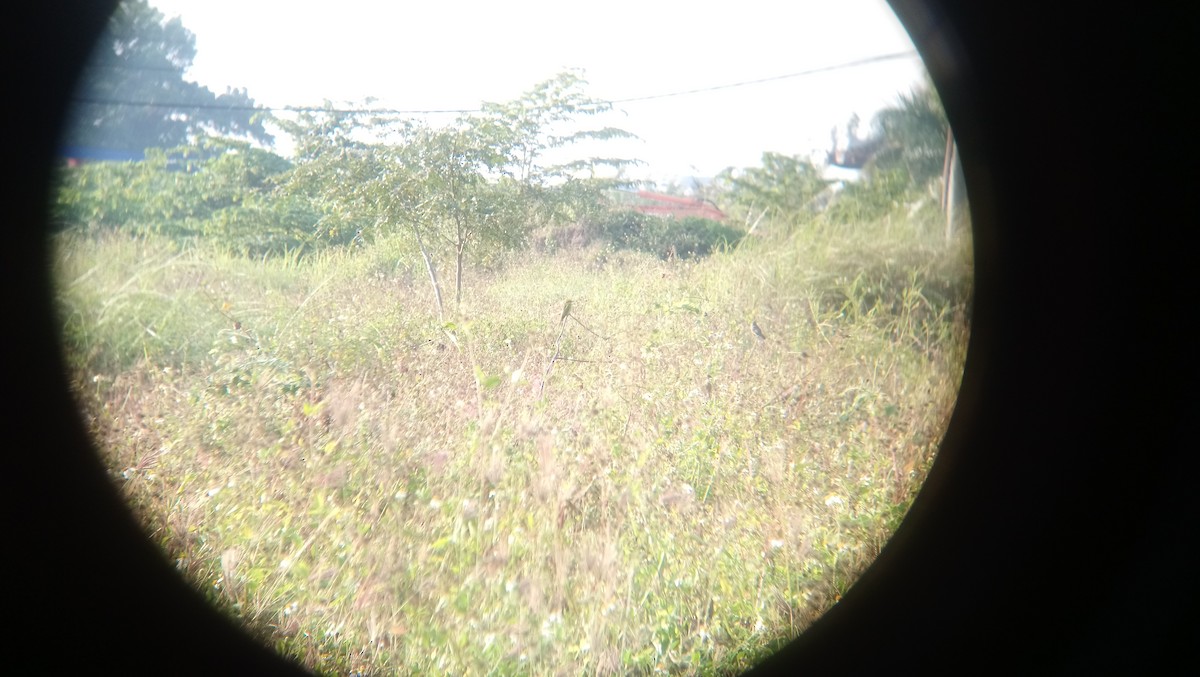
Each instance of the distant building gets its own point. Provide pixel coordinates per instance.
(673, 206)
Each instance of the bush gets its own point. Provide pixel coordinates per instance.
(265, 227)
(688, 237)
(150, 196)
(881, 193)
(219, 190)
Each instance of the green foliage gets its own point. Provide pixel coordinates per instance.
(788, 191)
(685, 238)
(694, 237)
(133, 95)
(152, 196)
(340, 185)
(467, 191)
(783, 187)
(454, 195)
(905, 175)
(219, 190)
(543, 119)
(883, 192)
(271, 226)
(914, 132)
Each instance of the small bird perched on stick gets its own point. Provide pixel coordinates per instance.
(758, 333)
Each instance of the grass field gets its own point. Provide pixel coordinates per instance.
(638, 485)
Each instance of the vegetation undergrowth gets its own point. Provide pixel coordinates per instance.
(423, 399)
(593, 466)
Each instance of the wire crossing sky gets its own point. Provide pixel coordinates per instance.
(698, 82)
(314, 109)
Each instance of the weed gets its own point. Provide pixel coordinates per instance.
(634, 482)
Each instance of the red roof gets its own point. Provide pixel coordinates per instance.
(660, 204)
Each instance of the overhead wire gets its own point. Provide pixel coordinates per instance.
(745, 83)
(441, 111)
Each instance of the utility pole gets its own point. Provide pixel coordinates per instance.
(951, 184)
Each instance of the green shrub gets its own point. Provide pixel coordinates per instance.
(221, 191)
(885, 191)
(275, 224)
(688, 237)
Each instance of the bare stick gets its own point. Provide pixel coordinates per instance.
(562, 328)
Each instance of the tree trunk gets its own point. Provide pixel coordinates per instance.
(433, 278)
(951, 185)
(458, 273)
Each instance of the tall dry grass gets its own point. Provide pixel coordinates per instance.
(639, 486)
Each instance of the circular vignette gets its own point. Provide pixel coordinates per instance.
(1036, 538)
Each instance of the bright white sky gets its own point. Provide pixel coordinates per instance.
(454, 54)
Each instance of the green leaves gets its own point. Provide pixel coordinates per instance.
(783, 186)
(543, 119)
(685, 238)
(219, 189)
(464, 193)
(486, 381)
(914, 130)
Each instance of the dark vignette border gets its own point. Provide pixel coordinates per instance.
(1053, 530)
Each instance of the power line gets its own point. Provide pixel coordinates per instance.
(242, 107)
(132, 67)
(437, 111)
(744, 83)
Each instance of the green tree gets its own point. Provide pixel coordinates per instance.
(335, 176)
(878, 194)
(914, 133)
(544, 119)
(538, 126)
(359, 185)
(221, 189)
(908, 154)
(133, 94)
(919, 154)
(784, 188)
(468, 189)
(465, 209)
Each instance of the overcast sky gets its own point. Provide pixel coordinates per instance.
(446, 54)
